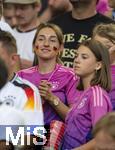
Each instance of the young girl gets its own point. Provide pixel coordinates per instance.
(56, 83)
(92, 66)
(105, 33)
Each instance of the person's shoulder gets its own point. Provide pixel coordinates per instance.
(21, 82)
(61, 17)
(30, 70)
(5, 27)
(97, 96)
(9, 91)
(96, 88)
(8, 85)
(98, 92)
(67, 71)
(104, 19)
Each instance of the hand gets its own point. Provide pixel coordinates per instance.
(45, 90)
(112, 49)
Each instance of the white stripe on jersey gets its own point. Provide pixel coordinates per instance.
(97, 96)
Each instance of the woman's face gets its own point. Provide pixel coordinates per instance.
(85, 63)
(47, 45)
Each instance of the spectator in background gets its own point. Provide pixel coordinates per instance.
(9, 14)
(105, 33)
(3, 69)
(91, 64)
(27, 20)
(17, 92)
(78, 26)
(4, 26)
(104, 133)
(3, 73)
(54, 9)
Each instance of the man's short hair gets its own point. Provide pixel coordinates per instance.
(8, 41)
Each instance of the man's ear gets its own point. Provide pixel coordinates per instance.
(38, 7)
(15, 58)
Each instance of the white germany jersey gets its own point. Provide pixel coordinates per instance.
(24, 96)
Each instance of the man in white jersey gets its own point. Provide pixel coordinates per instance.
(27, 20)
(19, 93)
(23, 95)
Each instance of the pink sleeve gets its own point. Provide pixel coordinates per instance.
(19, 73)
(99, 104)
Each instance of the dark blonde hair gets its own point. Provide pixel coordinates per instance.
(8, 41)
(106, 31)
(106, 124)
(57, 31)
(102, 76)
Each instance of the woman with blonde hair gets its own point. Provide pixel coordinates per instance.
(56, 83)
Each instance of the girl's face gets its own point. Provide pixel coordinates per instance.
(47, 45)
(85, 63)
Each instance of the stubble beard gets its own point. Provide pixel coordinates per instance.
(80, 3)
